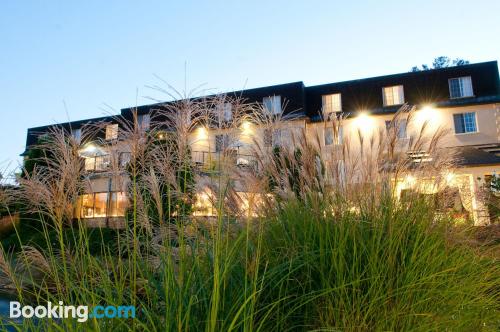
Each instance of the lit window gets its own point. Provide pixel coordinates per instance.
(144, 121)
(111, 131)
(393, 95)
(87, 206)
(465, 123)
(460, 87)
(117, 204)
(330, 138)
(399, 126)
(90, 164)
(77, 134)
(272, 104)
(221, 142)
(331, 103)
(100, 205)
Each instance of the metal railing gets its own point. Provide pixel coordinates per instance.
(212, 161)
(104, 163)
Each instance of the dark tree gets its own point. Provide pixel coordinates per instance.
(441, 62)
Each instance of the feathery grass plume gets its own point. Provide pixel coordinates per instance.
(302, 236)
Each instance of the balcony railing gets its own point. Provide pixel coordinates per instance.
(212, 161)
(104, 163)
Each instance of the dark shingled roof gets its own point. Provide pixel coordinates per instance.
(475, 156)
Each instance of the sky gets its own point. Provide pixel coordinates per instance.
(72, 60)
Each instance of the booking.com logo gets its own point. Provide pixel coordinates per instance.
(81, 312)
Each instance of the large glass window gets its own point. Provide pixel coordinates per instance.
(87, 206)
(465, 122)
(393, 95)
(117, 204)
(100, 205)
(460, 87)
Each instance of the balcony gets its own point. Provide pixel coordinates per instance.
(213, 161)
(104, 163)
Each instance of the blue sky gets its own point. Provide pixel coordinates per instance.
(61, 60)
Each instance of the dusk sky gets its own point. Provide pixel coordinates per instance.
(61, 61)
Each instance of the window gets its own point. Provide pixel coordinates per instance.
(272, 137)
(465, 123)
(111, 131)
(144, 121)
(331, 103)
(96, 205)
(221, 142)
(124, 159)
(87, 206)
(330, 138)
(225, 112)
(117, 204)
(393, 95)
(77, 134)
(460, 87)
(90, 164)
(272, 104)
(268, 137)
(277, 133)
(399, 126)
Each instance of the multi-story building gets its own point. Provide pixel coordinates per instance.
(464, 100)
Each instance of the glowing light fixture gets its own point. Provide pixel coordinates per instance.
(428, 114)
(202, 133)
(89, 149)
(364, 122)
(246, 127)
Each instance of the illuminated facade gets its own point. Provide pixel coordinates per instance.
(463, 100)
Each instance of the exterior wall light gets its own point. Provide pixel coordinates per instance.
(202, 133)
(364, 122)
(428, 115)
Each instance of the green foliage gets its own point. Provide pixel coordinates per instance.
(37, 155)
(176, 200)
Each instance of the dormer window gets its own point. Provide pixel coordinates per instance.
(272, 104)
(460, 87)
(393, 95)
(111, 132)
(332, 103)
(225, 112)
(77, 135)
(144, 121)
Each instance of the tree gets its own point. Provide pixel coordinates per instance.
(441, 62)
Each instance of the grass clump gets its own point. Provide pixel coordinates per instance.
(322, 247)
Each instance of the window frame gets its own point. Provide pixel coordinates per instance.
(465, 132)
(459, 79)
(275, 100)
(389, 124)
(111, 132)
(330, 110)
(384, 99)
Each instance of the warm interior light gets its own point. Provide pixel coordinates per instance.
(364, 122)
(89, 150)
(202, 133)
(246, 127)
